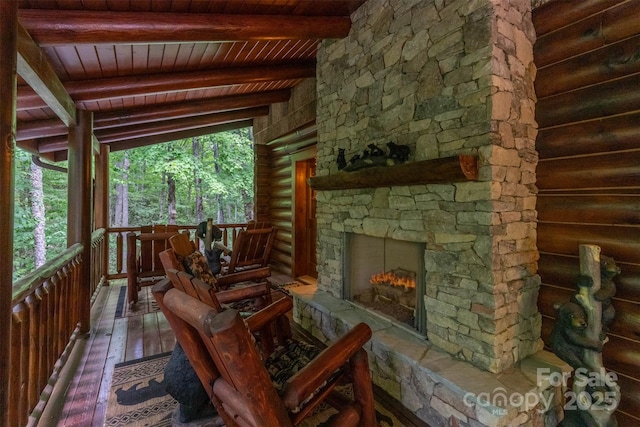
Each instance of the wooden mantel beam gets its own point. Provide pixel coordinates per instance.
(34, 68)
(435, 171)
(56, 27)
(155, 113)
(128, 86)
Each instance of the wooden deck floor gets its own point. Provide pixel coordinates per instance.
(80, 395)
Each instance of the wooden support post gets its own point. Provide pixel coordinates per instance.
(101, 206)
(80, 216)
(8, 82)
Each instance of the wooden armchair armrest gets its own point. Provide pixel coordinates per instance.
(243, 276)
(323, 367)
(245, 292)
(260, 319)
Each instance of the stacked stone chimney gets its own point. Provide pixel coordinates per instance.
(444, 78)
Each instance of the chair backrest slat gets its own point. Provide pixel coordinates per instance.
(252, 247)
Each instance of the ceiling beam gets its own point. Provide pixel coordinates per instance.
(40, 129)
(63, 27)
(174, 136)
(147, 129)
(154, 113)
(176, 110)
(34, 68)
(112, 135)
(128, 86)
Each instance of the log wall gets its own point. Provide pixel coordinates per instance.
(281, 187)
(588, 59)
(288, 129)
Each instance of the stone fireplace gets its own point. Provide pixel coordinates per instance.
(444, 79)
(386, 277)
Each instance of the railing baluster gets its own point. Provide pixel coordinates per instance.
(32, 391)
(119, 253)
(17, 388)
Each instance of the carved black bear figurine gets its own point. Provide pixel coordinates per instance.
(375, 150)
(398, 152)
(608, 270)
(568, 340)
(342, 162)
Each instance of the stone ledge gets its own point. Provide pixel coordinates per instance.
(447, 387)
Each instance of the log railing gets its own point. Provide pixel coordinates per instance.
(99, 250)
(44, 324)
(118, 252)
(45, 318)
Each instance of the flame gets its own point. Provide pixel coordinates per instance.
(390, 278)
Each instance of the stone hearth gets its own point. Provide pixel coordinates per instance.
(432, 384)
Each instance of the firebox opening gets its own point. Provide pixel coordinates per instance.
(386, 276)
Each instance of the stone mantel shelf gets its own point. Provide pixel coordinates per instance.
(436, 171)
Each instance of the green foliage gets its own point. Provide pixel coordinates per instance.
(55, 199)
(225, 167)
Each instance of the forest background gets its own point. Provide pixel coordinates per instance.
(181, 182)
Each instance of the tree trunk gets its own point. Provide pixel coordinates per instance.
(197, 182)
(220, 211)
(121, 208)
(164, 196)
(38, 212)
(171, 199)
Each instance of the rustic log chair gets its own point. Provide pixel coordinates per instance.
(245, 268)
(251, 249)
(256, 294)
(246, 390)
(144, 267)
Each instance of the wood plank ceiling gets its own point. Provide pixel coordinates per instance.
(152, 71)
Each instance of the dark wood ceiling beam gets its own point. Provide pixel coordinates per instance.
(136, 131)
(174, 136)
(177, 110)
(52, 144)
(128, 86)
(58, 27)
(122, 133)
(154, 113)
(40, 129)
(34, 68)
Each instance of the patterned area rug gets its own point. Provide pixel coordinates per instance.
(146, 303)
(138, 398)
(284, 287)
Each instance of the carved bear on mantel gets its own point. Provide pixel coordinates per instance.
(398, 152)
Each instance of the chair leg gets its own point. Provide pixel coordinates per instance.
(363, 389)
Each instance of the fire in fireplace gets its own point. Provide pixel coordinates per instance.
(386, 276)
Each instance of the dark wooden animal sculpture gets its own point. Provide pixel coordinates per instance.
(183, 384)
(608, 270)
(398, 152)
(568, 340)
(342, 162)
(375, 150)
(201, 231)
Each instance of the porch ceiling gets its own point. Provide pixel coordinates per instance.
(158, 70)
